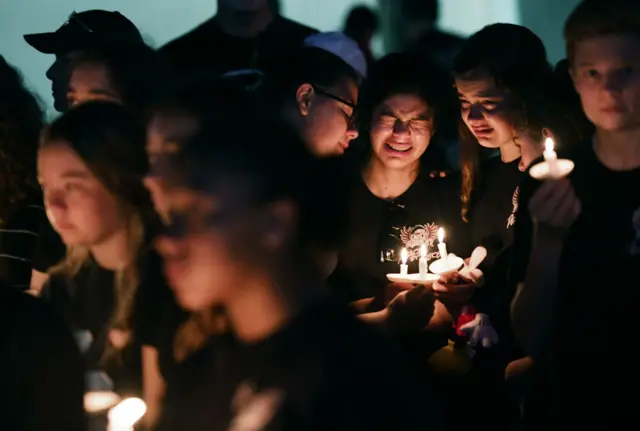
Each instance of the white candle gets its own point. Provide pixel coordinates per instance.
(125, 414)
(549, 150)
(442, 247)
(404, 268)
(422, 263)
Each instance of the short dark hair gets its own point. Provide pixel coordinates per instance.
(308, 65)
(359, 20)
(593, 18)
(139, 73)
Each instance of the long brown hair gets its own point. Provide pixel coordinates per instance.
(516, 59)
(110, 141)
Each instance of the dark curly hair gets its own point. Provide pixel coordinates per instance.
(21, 120)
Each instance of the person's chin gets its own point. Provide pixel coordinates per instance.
(490, 142)
(615, 122)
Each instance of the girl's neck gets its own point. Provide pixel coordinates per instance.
(510, 151)
(114, 253)
(387, 183)
(618, 151)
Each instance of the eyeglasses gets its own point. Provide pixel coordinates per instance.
(76, 18)
(332, 96)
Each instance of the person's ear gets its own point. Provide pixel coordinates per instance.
(278, 224)
(304, 97)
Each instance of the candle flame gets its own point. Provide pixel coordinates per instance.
(404, 256)
(440, 235)
(127, 412)
(549, 145)
(423, 250)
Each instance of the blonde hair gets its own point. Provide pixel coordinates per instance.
(126, 282)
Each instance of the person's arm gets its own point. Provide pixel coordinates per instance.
(549, 214)
(153, 386)
(533, 307)
(38, 280)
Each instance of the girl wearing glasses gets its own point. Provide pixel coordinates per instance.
(317, 93)
(394, 202)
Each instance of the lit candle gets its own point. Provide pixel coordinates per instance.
(442, 247)
(404, 268)
(125, 414)
(422, 263)
(549, 150)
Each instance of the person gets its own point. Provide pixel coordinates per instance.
(132, 74)
(400, 113)
(362, 25)
(41, 370)
(80, 31)
(241, 35)
(509, 100)
(421, 33)
(90, 167)
(298, 360)
(317, 93)
(22, 215)
(564, 271)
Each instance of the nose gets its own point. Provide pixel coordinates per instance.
(475, 113)
(55, 205)
(614, 83)
(167, 246)
(352, 133)
(401, 130)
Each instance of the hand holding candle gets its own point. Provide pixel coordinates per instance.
(422, 264)
(126, 414)
(552, 168)
(404, 268)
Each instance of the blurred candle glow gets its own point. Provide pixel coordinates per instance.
(125, 414)
(442, 247)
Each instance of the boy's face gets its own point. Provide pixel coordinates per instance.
(606, 74)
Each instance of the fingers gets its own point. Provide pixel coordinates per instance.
(555, 204)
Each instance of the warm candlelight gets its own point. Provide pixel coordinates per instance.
(422, 263)
(125, 415)
(549, 150)
(404, 269)
(442, 247)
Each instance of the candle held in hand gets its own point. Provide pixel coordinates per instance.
(549, 150)
(404, 268)
(442, 247)
(422, 263)
(124, 416)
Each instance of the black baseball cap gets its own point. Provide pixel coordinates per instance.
(83, 29)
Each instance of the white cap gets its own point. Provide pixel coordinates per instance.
(341, 46)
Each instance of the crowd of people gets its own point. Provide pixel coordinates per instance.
(237, 227)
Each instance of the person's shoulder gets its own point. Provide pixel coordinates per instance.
(188, 40)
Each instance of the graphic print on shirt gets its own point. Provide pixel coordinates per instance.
(413, 237)
(514, 201)
(254, 410)
(634, 246)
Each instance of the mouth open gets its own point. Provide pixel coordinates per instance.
(398, 148)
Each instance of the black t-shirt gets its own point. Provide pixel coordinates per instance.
(87, 303)
(598, 289)
(207, 48)
(323, 371)
(494, 203)
(20, 236)
(157, 317)
(378, 229)
(41, 370)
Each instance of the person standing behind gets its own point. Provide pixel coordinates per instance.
(361, 26)
(241, 35)
(577, 240)
(82, 30)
